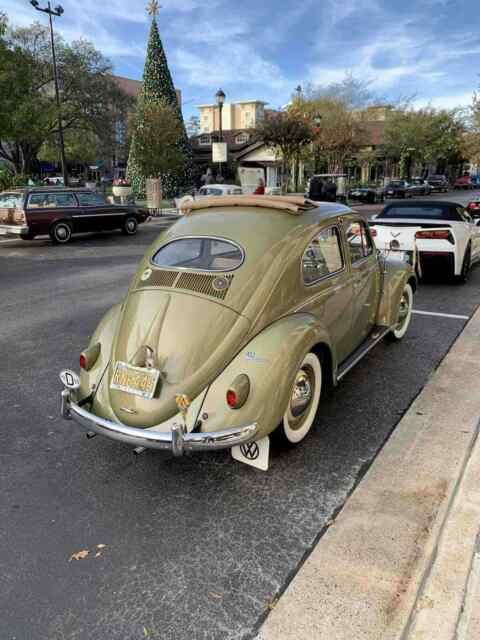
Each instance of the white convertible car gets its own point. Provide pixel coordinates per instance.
(434, 233)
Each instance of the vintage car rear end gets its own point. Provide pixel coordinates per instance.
(207, 348)
(13, 220)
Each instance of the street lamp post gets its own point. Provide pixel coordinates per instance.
(317, 120)
(57, 11)
(220, 98)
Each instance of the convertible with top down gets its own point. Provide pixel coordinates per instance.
(237, 319)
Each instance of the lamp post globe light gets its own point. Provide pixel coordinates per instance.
(56, 11)
(220, 99)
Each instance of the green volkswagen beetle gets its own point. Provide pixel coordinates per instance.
(236, 319)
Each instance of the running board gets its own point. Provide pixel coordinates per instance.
(375, 336)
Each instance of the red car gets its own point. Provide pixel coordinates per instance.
(473, 208)
(61, 212)
(464, 182)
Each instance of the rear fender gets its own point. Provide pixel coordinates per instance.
(396, 275)
(104, 334)
(271, 361)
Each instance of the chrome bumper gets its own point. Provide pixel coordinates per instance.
(13, 230)
(177, 440)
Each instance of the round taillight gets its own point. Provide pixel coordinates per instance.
(232, 399)
(83, 361)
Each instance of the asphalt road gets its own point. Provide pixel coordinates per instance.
(196, 548)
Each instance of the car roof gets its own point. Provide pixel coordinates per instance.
(423, 203)
(23, 190)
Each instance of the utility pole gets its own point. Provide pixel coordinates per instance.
(57, 11)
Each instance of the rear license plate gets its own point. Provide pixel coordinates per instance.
(135, 380)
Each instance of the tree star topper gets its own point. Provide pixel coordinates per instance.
(153, 8)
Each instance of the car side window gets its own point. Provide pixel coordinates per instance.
(323, 256)
(90, 199)
(359, 241)
(51, 200)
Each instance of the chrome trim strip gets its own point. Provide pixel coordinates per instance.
(370, 346)
(100, 215)
(176, 440)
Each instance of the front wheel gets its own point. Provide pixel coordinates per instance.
(302, 404)
(130, 226)
(404, 315)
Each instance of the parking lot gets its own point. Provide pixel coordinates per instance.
(197, 547)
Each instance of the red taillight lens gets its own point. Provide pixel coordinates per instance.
(373, 232)
(474, 205)
(83, 361)
(232, 399)
(433, 234)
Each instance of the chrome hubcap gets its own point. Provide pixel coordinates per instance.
(62, 233)
(403, 309)
(131, 225)
(302, 394)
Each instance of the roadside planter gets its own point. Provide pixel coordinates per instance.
(228, 338)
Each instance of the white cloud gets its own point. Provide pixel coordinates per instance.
(445, 102)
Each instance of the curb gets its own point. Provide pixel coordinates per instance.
(371, 574)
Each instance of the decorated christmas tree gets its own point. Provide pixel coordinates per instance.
(158, 87)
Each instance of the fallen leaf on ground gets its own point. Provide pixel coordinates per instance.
(101, 546)
(98, 554)
(273, 603)
(217, 596)
(80, 555)
(146, 632)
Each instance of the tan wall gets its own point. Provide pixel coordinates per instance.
(244, 115)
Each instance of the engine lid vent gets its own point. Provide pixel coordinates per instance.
(210, 285)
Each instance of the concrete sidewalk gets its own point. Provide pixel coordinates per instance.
(402, 559)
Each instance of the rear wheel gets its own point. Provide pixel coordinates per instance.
(302, 404)
(404, 315)
(130, 226)
(61, 233)
(466, 264)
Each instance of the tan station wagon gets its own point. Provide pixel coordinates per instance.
(239, 315)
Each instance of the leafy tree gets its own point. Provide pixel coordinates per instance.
(158, 89)
(193, 126)
(91, 100)
(337, 129)
(354, 93)
(423, 136)
(155, 139)
(288, 133)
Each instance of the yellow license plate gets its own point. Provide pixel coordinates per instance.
(135, 380)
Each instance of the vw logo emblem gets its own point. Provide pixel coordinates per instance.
(220, 284)
(251, 450)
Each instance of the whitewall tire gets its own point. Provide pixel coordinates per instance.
(303, 401)
(404, 314)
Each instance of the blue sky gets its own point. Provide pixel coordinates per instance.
(429, 49)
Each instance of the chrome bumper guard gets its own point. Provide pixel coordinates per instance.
(13, 230)
(178, 440)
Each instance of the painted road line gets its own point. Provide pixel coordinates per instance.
(440, 315)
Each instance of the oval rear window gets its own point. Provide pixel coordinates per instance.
(200, 254)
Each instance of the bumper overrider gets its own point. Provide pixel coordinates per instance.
(178, 440)
(14, 230)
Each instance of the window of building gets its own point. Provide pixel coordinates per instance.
(359, 241)
(242, 138)
(205, 139)
(323, 256)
